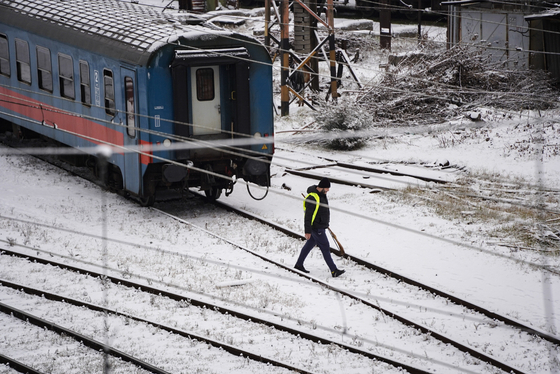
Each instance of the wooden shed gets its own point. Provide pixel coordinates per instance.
(498, 28)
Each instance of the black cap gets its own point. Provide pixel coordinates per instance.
(324, 183)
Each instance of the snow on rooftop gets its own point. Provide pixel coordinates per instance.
(137, 25)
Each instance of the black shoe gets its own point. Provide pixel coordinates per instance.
(301, 268)
(337, 273)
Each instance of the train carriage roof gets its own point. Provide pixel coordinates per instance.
(122, 30)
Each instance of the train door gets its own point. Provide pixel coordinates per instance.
(201, 78)
(205, 94)
(132, 171)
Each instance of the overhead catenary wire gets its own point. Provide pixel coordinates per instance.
(147, 151)
(419, 79)
(220, 263)
(442, 14)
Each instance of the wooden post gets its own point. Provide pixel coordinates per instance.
(332, 49)
(284, 48)
(385, 25)
(185, 5)
(419, 21)
(266, 22)
(314, 62)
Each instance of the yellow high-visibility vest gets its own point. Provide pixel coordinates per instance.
(316, 205)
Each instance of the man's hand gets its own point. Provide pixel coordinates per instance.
(307, 236)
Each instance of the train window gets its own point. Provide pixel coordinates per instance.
(44, 69)
(130, 111)
(109, 92)
(205, 84)
(66, 76)
(85, 86)
(23, 61)
(4, 56)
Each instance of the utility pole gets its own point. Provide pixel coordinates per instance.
(385, 25)
(266, 23)
(314, 62)
(419, 21)
(184, 5)
(285, 55)
(332, 50)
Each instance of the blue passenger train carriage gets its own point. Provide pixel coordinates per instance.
(181, 101)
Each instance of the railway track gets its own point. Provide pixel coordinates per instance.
(476, 354)
(190, 300)
(368, 180)
(17, 365)
(83, 339)
(25, 316)
(424, 329)
(365, 175)
(158, 291)
(371, 266)
(515, 324)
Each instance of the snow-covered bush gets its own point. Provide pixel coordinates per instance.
(345, 124)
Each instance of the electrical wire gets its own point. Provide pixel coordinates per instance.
(187, 27)
(149, 155)
(163, 159)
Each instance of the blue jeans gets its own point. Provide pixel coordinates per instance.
(319, 238)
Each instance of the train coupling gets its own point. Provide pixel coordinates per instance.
(174, 173)
(257, 170)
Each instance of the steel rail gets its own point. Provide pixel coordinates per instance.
(226, 347)
(372, 169)
(340, 181)
(88, 342)
(397, 317)
(17, 365)
(462, 347)
(217, 308)
(457, 300)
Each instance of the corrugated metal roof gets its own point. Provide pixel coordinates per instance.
(136, 25)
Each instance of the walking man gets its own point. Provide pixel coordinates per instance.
(316, 221)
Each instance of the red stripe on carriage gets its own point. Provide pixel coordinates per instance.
(146, 147)
(64, 120)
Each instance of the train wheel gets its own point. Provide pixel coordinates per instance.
(213, 193)
(147, 200)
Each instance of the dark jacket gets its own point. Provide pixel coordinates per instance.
(323, 215)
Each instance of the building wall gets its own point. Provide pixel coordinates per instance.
(502, 35)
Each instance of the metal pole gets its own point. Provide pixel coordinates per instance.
(103, 156)
(284, 48)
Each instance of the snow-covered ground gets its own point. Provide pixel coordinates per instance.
(456, 255)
